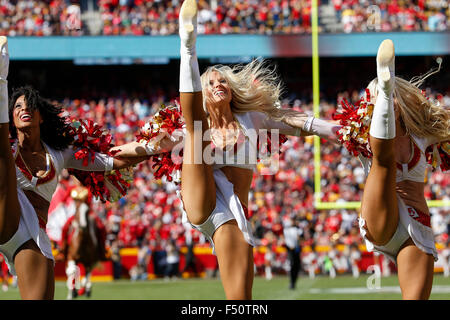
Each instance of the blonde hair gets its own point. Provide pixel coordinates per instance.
(419, 115)
(254, 86)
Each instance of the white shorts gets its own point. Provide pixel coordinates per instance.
(228, 207)
(409, 226)
(28, 229)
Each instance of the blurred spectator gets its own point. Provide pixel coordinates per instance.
(139, 271)
(40, 18)
(116, 260)
(292, 240)
(354, 257)
(173, 260)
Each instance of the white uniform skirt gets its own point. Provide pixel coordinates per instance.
(28, 229)
(408, 227)
(228, 207)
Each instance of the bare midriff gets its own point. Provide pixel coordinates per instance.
(39, 204)
(241, 179)
(412, 193)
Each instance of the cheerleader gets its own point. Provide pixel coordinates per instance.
(29, 172)
(406, 130)
(227, 106)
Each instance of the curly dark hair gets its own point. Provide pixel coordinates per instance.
(54, 128)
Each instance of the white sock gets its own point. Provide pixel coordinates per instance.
(189, 71)
(383, 118)
(4, 66)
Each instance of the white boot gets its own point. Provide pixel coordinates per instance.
(189, 71)
(4, 67)
(383, 118)
(386, 66)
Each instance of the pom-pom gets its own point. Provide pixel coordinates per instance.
(438, 155)
(88, 139)
(355, 121)
(166, 123)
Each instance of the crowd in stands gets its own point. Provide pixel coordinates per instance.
(153, 17)
(39, 18)
(150, 216)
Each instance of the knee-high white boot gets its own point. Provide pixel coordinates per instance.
(383, 118)
(189, 71)
(4, 67)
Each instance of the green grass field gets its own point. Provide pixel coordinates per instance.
(320, 288)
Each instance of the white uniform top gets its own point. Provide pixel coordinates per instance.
(254, 124)
(416, 167)
(45, 186)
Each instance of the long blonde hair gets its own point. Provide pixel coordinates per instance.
(419, 115)
(255, 87)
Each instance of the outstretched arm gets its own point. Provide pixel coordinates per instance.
(325, 129)
(298, 124)
(145, 149)
(101, 162)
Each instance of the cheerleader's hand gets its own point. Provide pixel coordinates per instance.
(297, 120)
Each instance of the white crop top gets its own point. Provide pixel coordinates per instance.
(416, 167)
(245, 152)
(46, 185)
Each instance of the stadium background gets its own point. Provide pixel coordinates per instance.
(117, 62)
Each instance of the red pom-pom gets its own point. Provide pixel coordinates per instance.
(89, 139)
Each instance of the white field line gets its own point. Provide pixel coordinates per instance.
(362, 290)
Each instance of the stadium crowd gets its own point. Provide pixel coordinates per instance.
(149, 217)
(152, 17)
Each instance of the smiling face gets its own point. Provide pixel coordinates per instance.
(219, 91)
(24, 118)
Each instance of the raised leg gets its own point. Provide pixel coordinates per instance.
(198, 187)
(379, 204)
(9, 203)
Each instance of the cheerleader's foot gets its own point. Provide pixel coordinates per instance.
(188, 23)
(386, 66)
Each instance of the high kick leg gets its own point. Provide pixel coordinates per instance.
(9, 203)
(198, 187)
(379, 203)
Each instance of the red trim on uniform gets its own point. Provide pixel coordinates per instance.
(420, 216)
(42, 223)
(246, 212)
(416, 157)
(414, 161)
(48, 177)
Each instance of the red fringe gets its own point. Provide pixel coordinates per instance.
(89, 139)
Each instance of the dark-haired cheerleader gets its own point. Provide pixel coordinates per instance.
(29, 171)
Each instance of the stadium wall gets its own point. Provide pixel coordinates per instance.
(205, 260)
(158, 49)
